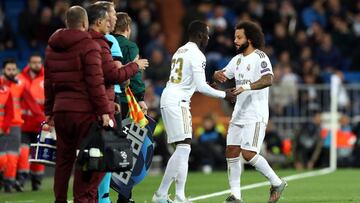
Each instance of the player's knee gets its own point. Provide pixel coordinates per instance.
(232, 151)
(248, 155)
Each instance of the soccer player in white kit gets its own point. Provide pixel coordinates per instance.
(187, 75)
(253, 75)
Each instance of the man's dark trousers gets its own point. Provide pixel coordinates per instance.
(71, 128)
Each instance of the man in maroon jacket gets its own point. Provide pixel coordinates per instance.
(75, 97)
(114, 72)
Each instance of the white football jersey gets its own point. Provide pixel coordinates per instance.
(251, 105)
(187, 61)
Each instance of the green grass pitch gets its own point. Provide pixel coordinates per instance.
(338, 187)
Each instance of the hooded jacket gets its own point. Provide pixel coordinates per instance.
(74, 79)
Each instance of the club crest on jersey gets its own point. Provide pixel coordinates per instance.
(248, 67)
(263, 64)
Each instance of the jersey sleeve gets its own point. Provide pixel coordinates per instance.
(204, 88)
(264, 66)
(229, 69)
(198, 62)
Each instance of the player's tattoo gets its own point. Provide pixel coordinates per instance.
(264, 81)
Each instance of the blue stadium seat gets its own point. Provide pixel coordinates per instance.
(8, 54)
(21, 64)
(352, 77)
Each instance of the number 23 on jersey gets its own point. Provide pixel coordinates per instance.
(176, 70)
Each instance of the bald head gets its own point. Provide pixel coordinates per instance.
(76, 18)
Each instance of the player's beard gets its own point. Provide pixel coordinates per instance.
(242, 48)
(10, 78)
(202, 46)
(36, 71)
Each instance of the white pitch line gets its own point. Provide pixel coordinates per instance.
(255, 185)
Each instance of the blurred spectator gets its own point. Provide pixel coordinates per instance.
(255, 9)
(33, 78)
(151, 98)
(345, 142)
(210, 145)
(308, 144)
(310, 98)
(284, 94)
(334, 8)
(221, 42)
(273, 146)
(60, 9)
(271, 15)
(288, 16)
(159, 68)
(6, 34)
(314, 13)
(310, 67)
(160, 142)
(28, 20)
(315, 35)
(356, 151)
(281, 41)
(343, 97)
(327, 55)
(44, 29)
(342, 36)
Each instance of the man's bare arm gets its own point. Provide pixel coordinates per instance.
(264, 81)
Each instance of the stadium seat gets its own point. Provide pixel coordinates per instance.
(8, 54)
(352, 77)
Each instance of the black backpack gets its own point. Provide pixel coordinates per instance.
(105, 150)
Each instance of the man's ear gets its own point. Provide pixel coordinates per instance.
(200, 36)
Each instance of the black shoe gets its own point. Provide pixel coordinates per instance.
(8, 186)
(35, 186)
(21, 178)
(17, 186)
(35, 182)
(1, 181)
(131, 201)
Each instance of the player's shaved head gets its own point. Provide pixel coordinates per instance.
(198, 33)
(75, 17)
(196, 28)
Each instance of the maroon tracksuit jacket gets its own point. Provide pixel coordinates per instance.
(75, 96)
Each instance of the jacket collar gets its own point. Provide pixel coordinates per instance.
(26, 72)
(97, 35)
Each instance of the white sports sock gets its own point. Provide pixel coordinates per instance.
(263, 166)
(173, 167)
(184, 152)
(234, 173)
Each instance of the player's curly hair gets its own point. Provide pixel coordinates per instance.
(253, 33)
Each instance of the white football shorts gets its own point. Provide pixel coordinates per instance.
(248, 136)
(177, 121)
